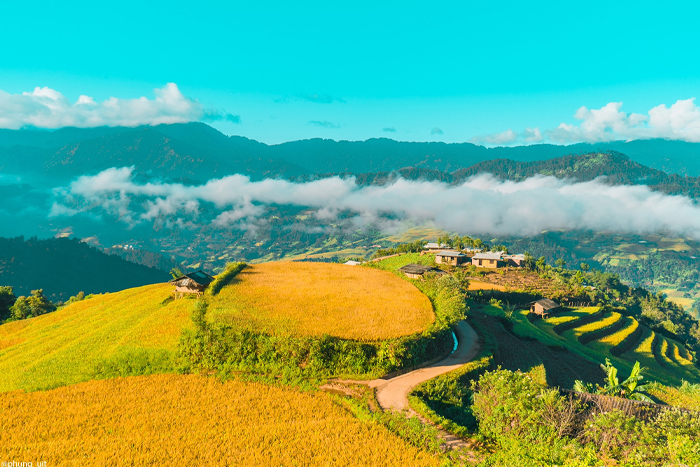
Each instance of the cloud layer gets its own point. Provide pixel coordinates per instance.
(680, 121)
(478, 206)
(47, 108)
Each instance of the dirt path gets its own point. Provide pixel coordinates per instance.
(392, 393)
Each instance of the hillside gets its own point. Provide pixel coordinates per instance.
(132, 330)
(63, 267)
(174, 419)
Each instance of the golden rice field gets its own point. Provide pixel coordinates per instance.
(616, 338)
(63, 347)
(192, 420)
(350, 302)
(478, 285)
(608, 320)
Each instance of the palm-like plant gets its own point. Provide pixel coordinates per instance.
(628, 389)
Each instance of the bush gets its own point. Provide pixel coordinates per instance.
(225, 278)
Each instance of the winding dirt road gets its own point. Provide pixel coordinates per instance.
(392, 393)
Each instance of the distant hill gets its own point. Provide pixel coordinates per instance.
(196, 152)
(63, 267)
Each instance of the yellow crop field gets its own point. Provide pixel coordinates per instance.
(351, 302)
(619, 336)
(477, 285)
(192, 420)
(63, 347)
(599, 324)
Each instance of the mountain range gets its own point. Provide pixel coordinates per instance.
(195, 152)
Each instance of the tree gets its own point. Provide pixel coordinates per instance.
(541, 262)
(34, 305)
(529, 261)
(7, 299)
(584, 267)
(176, 273)
(560, 263)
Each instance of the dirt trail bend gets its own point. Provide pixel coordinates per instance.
(392, 394)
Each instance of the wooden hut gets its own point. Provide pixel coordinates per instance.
(543, 307)
(515, 260)
(192, 283)
(455, 258)
(416, 271)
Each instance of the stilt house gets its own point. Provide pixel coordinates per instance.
(192, 283)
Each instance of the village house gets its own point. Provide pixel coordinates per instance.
(434, 247)
(515, 260)
(416, 271)
(192, 283)
(488, 260)
(543, 307)
(453, 258)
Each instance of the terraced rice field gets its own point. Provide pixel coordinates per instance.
(623, 340)
(609, 320)
(65, 346)
(350, 302)
(192, 420)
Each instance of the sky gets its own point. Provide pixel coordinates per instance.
(495, 73)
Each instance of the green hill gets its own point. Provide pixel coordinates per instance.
(63, 267)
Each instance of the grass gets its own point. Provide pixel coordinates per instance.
(68, 345)
(193, 420)
(348, 302)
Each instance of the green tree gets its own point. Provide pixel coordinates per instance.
(176, 272)
(541, 263)
(34, 305)
(7, 299)
(560, 263)
(584, 267)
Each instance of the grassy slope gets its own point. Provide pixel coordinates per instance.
(320, 298)
(65, 346)
(193, 420)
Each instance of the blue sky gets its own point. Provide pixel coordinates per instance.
(450, 71)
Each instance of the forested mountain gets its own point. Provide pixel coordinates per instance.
(195, 152)
(63, 267)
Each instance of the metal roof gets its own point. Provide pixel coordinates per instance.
(497, 256)
(547, 303)
(419, 269)
(453, 254)
(200, 277)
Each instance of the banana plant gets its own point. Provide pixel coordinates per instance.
(628, 389)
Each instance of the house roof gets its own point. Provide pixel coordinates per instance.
(434, 246)
(497, 256)
(352, 263)
(547, 303)
(198, 277)
(419, 269)
(453, 254)
(519, 256)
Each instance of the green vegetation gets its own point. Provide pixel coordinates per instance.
(531, 425)
(225, 277)
(628, 389)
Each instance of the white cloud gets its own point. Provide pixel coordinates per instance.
(680, 122)
(480, 205)
(48, 108)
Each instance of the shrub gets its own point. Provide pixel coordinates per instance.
(225, 278)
